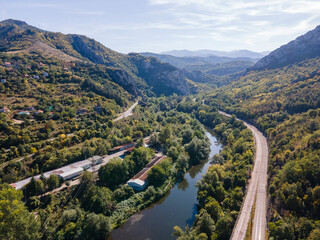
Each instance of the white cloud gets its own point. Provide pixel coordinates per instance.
(249, 21)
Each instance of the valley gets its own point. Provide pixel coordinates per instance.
(67, 98)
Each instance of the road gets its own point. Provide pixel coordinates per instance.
(127, 113)
(256, 194)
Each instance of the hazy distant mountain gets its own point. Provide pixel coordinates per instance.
(206, 53)
(304, 47)
(212, 70)
(184, 62)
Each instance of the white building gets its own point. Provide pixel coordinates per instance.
(137, 184)
(95, 160)
(71, 174)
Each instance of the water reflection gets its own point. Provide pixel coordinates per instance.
(178, 207)
(183, 185)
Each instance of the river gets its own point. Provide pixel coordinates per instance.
(178, 207)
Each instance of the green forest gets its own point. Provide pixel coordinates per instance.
(64, 99)
(284, 103)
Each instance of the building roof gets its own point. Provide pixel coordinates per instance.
(121, 146)
(143, 174)
(137, 184)
(71, 172)
(23, 112)
(68, 168)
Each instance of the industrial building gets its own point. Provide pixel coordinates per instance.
(120, 148)
(67, 172)
(70, 174)
(140, 181)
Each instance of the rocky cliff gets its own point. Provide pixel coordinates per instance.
(304, 47)
(162, 77)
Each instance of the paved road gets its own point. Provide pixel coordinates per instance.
(256, 191)
(126, 113)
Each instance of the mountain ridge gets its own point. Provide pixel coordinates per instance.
(303, 47)
(18, 36)
(206, 52)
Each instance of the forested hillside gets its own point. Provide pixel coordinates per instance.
(285, 104)
(19, 37)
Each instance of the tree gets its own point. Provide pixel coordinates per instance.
(224, 227)
(53, 182)
(205, 223)
(187, 136)
(157, 176)
(155, 141)
(34, 187)
(87, 178)
(214, 209)
(139, 143)
(197, 149)
(96, 225)
(122, 193)
(15, 220)
(113, 173)
(188, 234)
(182, 163)
(166, 133)
(98, 200)
(141, 157)
(315, 234)
(173, 153)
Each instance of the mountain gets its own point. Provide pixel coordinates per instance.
(19, 37)
(282, 99)
(303, 47)
(206, 53)
(186, 62)
(214, 71)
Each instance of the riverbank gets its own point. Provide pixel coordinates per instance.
(177, 207)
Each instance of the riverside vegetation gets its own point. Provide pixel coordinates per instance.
(60, 93)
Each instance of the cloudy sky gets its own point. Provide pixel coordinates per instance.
(160, 25)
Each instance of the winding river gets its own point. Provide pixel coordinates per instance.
(178, 207)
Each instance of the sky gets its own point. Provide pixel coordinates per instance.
(161, 25)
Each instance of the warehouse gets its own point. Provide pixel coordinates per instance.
(71, 174)
(140, 180)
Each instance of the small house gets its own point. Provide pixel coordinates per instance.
(45, 74)
(4, 110)
(23, 113)
(36, 77)
(38, 112)
(30, 109)
(3, 80)
(137, 184)
(8, 64)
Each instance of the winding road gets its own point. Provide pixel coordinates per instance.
(256, 194)
(127, 113)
